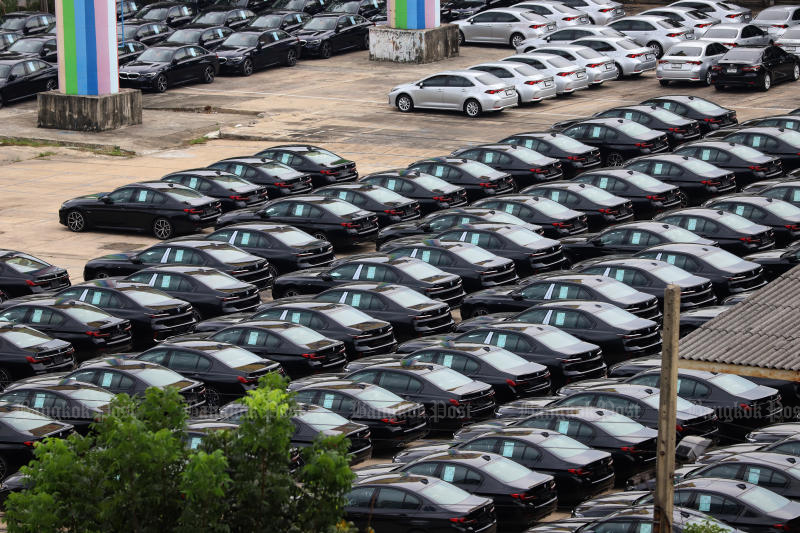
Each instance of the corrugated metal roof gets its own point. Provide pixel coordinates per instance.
(762, 331)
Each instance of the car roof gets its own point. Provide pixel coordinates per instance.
(525, 328)
(626, 389)
(120, 363)
(634, 262)
(412, 482)
(747, 198)
(339, 384)
(698, 250)
(267, 324)
(590, 280)
(582, 305)
(701, 212)
(159, 185)
(732, 487)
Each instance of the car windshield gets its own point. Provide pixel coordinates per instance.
(502, 359)
(24, 263)
(627, 44)
(559, 62)
(349, 316)
(216, 280)
(344, 7)
(614, 315)
(379, 194)
(419, 269)
(13, 23)
(735, 221)
(670, 274)
(444, 493)
(267, 21)
(745, 152)
(721, 259)
(743, 54)
(408, 297)
(782, 209)
(213, 18)
(588, 53)
(721, 33)
(181, 193)
(85, 314)
(682, 405)
(185, 36)
(379, 398)
(320, 24)
(23, 420)
(27, 46)
(522, 236)
(293, 237)
(597, 194)
(526, 70)
(619, 425)
(153, 13)
(302, 335)
(4, 70)
(563, 446)
(241, 39)
(156, 55)
(685, 51)
(447, 379)
(732, 383)
(473, 254)
(789, 136)
(764, 500)
(506, 470)
(634, 129)
(676, 234)
(323, 420)
(615, 290)
(235, 357)
(159, 377)
(23, 337)
(339, 207)
(144, 296)
(229, 254)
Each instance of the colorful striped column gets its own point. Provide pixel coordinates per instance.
(87, 47)
(413, 14)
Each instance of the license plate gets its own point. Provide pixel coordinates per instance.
(731, 70)
(608, 66)
(509, 93)
(548, 84)
(676, 66)
(551, 27)
(649, 56)
(581, 74)
(789, 48)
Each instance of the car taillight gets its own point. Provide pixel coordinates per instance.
(31, 359)
(655, 197)
(793, 227)
(674, 34)
(678, 428)
(349, 225)
(716, 68)
(511, 382)
(745, 406)
(392, 421)
(281, 184)
(563, 74)
(493, 91)
(677, 130)
(751, 69)
(523, 496)
(693, 62)
(575, 158)
(631, 449)
(606, 9)
(97, 334)
(235, 197)
(533, 82)
(246, 381)
(731, 45)
(748, 239)
(782, 527)
(634, 55)
(608, 211)
(595, 65)
(757, 168)
(454, 402)
(711, 183)
(562, 225)
(702, 25)
(462, 520)
(733, 16)
(578, 471)
(568, 19)
(31, 283)
(312, 356)
(29, 443)
(442, 198)
(392, 212)
(537, 170)
(642, 145)
(711, 120)
(328, 172)
(193, 211)
(488, 185)
(537, 26)
(784, 26)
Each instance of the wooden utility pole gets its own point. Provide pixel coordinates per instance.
(668, 390)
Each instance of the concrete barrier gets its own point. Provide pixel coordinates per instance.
(89, 112)
(413, 46)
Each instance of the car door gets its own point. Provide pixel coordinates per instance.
(180, 69)
(343, 35)
(503, 27)
(430, 92)
(116, 382)
(456, 92)
(396, 510)
(279, 46)
(17, 83)
(144, 207)
(479, 27)
(360, 505)
(114, 211)
(195, 63)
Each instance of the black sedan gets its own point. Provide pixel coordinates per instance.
(776, 142)
(20, 429)
(27, 22)
(154, 315)
(697, 179)
(90, 329)
(387, 205)
(326, 219)
(232, 191)
(773, 471)
(638, 517)
(734, 233)
(430, 192)
(443, 220)
(759, 67)
(575, 157)
(162, 209)
(450, 398)
(147, 33)
(22, 274)
(365, 8)
(648, 195)
(477, 268)
(709, 115)
(435, 504)
(26, 352)
(277, 19)
(128, 51)
(73, 402)
(560, 286)
(207, 37)
(41, 46)
(412, 273)
(478, 179)
(787, 190)
(392, 420)
(210, 291)
(227, 371)
(195, 252)
(555, 219)
(652, 276)
(325, 167)
(172, 13)
(411, 313)
(618, 139)
(782, 217)
(245, 52)
(7, 38)
(311, 7)
(580, 472)
(747, 164)
(16, 82)
(526, 166)
(776, 262)
(728, 273)
(280, 180)
(600, 207)
(222, 15)
(285, 247)
(627, 239)
(326, 34)
(165, 65)
(677, 128)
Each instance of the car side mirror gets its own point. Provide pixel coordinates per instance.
(326, 276)
(259, 46)
(264, 214)
(597, 242)
(426, 227)
(174, 62)
(472, 22)
(106, 199)
(516, 296)
(11, 77)
(136, 260)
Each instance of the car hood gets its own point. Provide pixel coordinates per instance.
(86, 199)
(617, 499)
(123, 257)
(308, 34)
(308, 273)
(233, 50)
(496, 293)
(579, 239)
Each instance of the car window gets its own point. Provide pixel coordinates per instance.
(390, 498)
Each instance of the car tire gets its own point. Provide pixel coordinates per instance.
(614, 159)
(213, 399)
(461, 39)
(247, 67)
(291, 58)
(479, 311)
(290, 292)
(52, 85)
(161, 84)
(76, 221)
(325, 50)
(796, 72)
(766, 82)
(657, 48)
(620, 74)
(516, 40)
(197, 316)
(100, 274)
(472, 108)
(6, 378)
(405, 104)
(320, 235)
(365, 42)
(3, 467)
(273, 271)
(708, 81)
(664, 83)
(163, 229)
(209, 74)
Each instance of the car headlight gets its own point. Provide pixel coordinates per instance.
(314, 41)
(149, 75)
(235, 59)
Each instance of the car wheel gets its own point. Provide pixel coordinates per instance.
(161, 83)
(684, 198)
(614, 159)
(213, 398)
(325, 50)
(291, 58)
(365, 42)
(461, 39)
(162, 229)
(479, 311)
(3, 467)
(708, 78)
(290, 292)
(766, 83)
(656, 47)
(6, 378)
(516, 40)
(273, 272)
(796, 72)
(76, 221)
(208, 74)
(100, 274)
(405, 104)
(620, 74)
(52, 85)
(197, 316)
(664, 83)
(247, 67)
(472, 108)
(320, 236)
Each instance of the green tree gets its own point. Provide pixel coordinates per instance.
(134, 473)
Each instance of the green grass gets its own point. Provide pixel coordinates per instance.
(116, 151)
(46, 154)
(18, 141)
(198, 140)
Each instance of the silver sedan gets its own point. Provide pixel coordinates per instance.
(630, 58)
(790, 41)
(777, 19)
(689, 62)
(566, 36)
(732, 35)
(568, 76)
(470, 91)
(658, 33)
(599, 68)
(557, 12)
(721, 9)
(531, 85)
(503, 26)
(599, 11)
(685, 16)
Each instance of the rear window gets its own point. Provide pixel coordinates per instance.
(477, 168)
(302, 335)
(145, 297)
(408, 297)
(735, 222)
(773, 14)
(444, 493)
(420, 269)
(669, 23)
(558, 61)
(473, 254)
(216, 280)
(615, 289)
(324, 157)
(448, 379)
(676, 234)
(506, 470)
(323, 420)
(619, 425)
(699, 166)
(522, 236)
(86, 315)
(643, 180)
(229, 254)
(783, 209)
(627, 44)
(349, 316)
(564, 447)
(339, 207)
(685, 51)
(556, 339)
(25, 337)
(180, 194)
(721, 33)
(732, 383)
(503, 359)
(745, 152)
(722, 259)
(526, 70)
(379, 398)
(670, 274)
(705, 106)
(159, 377)
(554, 209)
(764, 500)
(615, 316)
(743, 54)
(599, 195)
(588, 53)
(634, 129)
(488, 79)
(26, 421)
(235, 357)
(292, 236)
(382, 195)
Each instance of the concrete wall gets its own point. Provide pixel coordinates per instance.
(89, 113)
(413, 46)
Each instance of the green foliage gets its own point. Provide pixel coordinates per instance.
(704, 527)
(134, 473)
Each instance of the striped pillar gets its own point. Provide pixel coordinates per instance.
(87, 47)
(413, 14)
